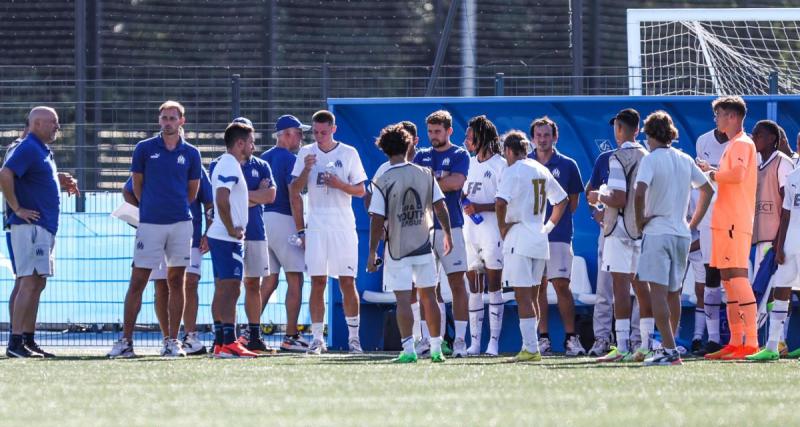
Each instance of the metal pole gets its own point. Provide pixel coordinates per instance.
(235, 95)
(442, 48)
(469, 22)
(80, 94)
(772, 105)
(325, 82)
(499, 84)
(577, 47)
(773, 82)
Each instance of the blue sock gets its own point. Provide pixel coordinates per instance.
(228, 333)
(217, 333)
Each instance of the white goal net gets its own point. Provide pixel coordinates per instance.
(713, 51)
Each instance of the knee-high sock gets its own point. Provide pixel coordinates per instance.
(735, 321)
(443, 320)
(777, 317)
(496, 309)
(749, 309)
(476, 311)
(712, 299)
(699, 323)
(416, 329)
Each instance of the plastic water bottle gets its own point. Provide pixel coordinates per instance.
(476, 217)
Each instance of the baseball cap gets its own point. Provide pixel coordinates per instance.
(243, 120)
(289, 121)
(629, 116)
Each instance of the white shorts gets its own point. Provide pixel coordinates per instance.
(154, 242)
(621, 255)
(788, 273)
(332, 253)
(705, 244)
(256, 258)
(34, 250)
(281, 254)
(160, 273)
(697, 266)
(456, 261)
(484, 253)
(523, 272)
(559, 266)
(419, 270)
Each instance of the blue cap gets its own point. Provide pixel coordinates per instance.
(288, 121)
(243, 120)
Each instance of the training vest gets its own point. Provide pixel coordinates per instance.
(629, 158)
(408, 194)
(768, 200)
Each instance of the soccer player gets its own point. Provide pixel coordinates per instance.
(31, 184)
(279, 225)
(401, 206)
(787, 255)
(226, 239)
(450, 166)
(525, 189)
(260, 190)
(333, 174)
(622, 245)
(602, 314)
(483, 242)
(732, 227)
(544, 134)
(166, 173)
(710, 147)
(663, 183)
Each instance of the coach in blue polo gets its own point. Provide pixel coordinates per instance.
(544, 134)
(166, 177)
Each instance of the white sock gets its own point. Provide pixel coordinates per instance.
(461, 329)
(777, 317)
(436, 344)
(416, 331)
(476, 311)
(408, 345)
(623, 329)
(352, 326)
(699, 323)
(527, 327)
(443, 321)
(496, 309)
(425, 332)
(786, 322)
(646, 327)
(316, 331)
(712, 299)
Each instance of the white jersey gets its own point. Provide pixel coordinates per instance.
(791, 202)
(710, 150)
(480, 187)
(228, 174)
(329, 208)
(527, 186)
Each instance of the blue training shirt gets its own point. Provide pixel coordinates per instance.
(35, 182)
(281, 161)
(600, 170)
(566, 172)
(453, 160)
(254, 170)
(166, 179)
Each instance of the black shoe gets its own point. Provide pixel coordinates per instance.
(697, 345)
(257, 345)
(19, 352)
(36, 350)
(711, 347)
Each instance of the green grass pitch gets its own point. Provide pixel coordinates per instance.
(343, 390)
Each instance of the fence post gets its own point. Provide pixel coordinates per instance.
(773, 82)
(80, 102)
(499, 85)
(772, 105)
(325, 83)
(235, 96)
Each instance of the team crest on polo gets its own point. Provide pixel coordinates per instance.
(556, 173)
(412, 212)
(446, 161)
(338, 164)
(254, 173)
(488, 174)
(181, 160)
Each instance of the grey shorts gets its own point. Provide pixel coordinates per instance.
(34, 250)
(456, 260)
(256, 259)
(559, 266)
(663, 260)
(154, 242)
(281, 254)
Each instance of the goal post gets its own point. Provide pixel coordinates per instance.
(713, 51)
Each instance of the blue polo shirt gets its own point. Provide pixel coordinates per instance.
(166, 179)
(254, 170)
(453, 160)
(600, 170)
(281, 161)
(566, 172)
(35, 182)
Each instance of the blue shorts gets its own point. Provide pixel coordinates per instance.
(11, 252)
(226, 258)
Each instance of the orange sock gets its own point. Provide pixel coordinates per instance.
(734, 316)
(747, 304)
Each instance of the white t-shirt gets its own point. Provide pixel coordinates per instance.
(710, 150)
(617, 182)
(480, 187)
(228, 174)
(669, 175)
(791, 202)
(329, 208)
(527, 186)
(377, 206)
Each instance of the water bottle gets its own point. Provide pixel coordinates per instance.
(476, 217)
(296, 239)
(330, 169)
(602, 191)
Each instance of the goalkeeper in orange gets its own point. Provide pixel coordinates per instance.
(732, 227)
